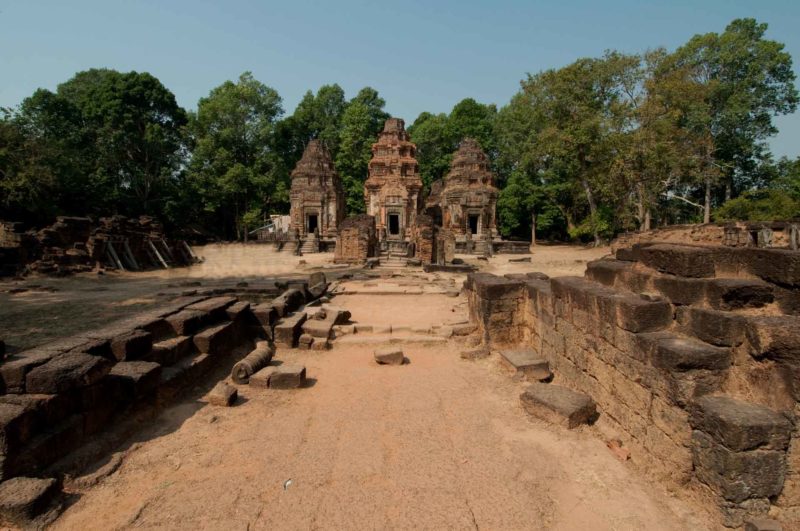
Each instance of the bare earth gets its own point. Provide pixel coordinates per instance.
(437, 443)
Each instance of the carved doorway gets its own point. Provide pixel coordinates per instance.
(312, 223)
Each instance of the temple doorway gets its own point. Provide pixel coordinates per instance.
(474, 220)
(312, 224)
(394, 224)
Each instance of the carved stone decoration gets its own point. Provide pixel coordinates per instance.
(468, 197)
(392, 189)
(317, 197)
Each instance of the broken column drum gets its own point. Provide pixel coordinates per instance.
(392, 189)
(317, 197)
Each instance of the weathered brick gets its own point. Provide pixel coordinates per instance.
(679, 260)
(66, 372)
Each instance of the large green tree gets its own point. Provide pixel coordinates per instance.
(233, 167)
(361, 122)
(750, 80)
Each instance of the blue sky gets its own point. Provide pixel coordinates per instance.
(420, 55)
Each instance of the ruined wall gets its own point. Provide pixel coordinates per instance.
(357, 240)
(690, 360)
(423, 235)
(778, 234)
(57, 397)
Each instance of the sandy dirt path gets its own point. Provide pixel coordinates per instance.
(438, 443)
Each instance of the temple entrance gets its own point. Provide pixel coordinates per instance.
(473, 220)
(312, 223)
(394, 224)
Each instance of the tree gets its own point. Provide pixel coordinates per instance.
(360, 124)
(109, 141)
(750, 80)
(233, 167)
(437, 136)
(136, 128)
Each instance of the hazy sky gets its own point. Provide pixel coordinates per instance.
(420, 55)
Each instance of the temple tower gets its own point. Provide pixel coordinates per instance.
(392, 189)
(317, 197)
(469, 198)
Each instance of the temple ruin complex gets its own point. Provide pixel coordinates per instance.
(468, 199)
(317, 198)
(392, 189)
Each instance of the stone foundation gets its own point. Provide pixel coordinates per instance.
(692, 355)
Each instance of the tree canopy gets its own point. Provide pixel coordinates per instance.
(604, 144)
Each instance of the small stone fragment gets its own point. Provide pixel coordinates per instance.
(223, 394)
(389, 356)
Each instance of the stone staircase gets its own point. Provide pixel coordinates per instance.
(309, 245)
(389, 260)
(656, 337)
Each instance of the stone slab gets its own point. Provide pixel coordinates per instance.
(558, 405)
(389, 356)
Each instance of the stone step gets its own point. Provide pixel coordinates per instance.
(717, 293)
(558, 405)
(380, 339)
(527, 363)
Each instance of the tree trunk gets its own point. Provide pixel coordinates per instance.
(640, 208)
(533, 230)
(648, 219)
(592, 211)
(707, 203)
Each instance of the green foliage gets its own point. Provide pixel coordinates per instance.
(233, 169)
(610, 143)
(361, 122)
(437, 136)
(759, 205)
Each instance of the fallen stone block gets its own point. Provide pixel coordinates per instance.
(318, 328)
(320, 344)
(170, 350)
(187, 322)
(66, 372)
(287, 376)
(287, 330)
(305, 342)
(261, 377)
(22, 499)
(131, 345)
(223, 394)
(135, 379)
(527, 363)
(253, 362)
(216, 340)
(637, 313)
(679, 260)
(558, 405)
(740, 425)
(389, 356)
(736, 293)
(338, 314)
(265, 313)
(291, 300)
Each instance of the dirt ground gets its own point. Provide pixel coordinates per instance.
(437, 443)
